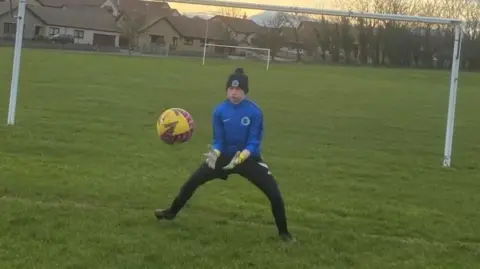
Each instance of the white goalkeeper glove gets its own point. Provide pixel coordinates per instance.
(212, 156)
(239, 158)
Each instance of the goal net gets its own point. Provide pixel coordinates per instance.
(155, 49)
(238, 52)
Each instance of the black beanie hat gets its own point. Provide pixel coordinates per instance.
(238, 79)
(239, 70)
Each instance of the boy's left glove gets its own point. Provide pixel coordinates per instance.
(239, 158)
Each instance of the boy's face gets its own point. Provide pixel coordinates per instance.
(235, 95)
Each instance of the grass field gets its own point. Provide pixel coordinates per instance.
(357, 153)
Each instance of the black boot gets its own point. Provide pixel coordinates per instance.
(287, 237)
(164, 214)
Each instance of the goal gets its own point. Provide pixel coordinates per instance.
(252, 52)
(459, 30)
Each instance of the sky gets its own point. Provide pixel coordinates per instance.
(212, 9)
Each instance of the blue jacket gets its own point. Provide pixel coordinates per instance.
(237, 127)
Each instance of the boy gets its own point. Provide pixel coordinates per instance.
(236, 149)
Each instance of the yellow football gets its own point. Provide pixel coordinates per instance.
(175, 125)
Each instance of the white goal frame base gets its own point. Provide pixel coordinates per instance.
(235, 47)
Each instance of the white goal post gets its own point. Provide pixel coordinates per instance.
(235, 47)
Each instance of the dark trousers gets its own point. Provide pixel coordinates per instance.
(253, 169)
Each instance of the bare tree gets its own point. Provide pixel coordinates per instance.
(324, 35)
(131, 25)
(228, 39)
(231, 12)
(277, 22)
(290, 23)
(395, 6)
(272, 35)
(396, 41)
(471, 51)
(365, 27)
(472, 17)
(454, 8)
(430, 8)
(391, 40)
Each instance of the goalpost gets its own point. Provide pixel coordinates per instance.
(22, 5)
(236, 47)
(458, 37)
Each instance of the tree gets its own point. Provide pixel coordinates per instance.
(364, 27)
(324, 36)
(346, 38)
(471, 51)
(272, 37)
(131, 25)
(229, 40)
(401, 42)
(231, 12)
(292, 21)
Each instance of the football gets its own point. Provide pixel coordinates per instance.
(175, 126)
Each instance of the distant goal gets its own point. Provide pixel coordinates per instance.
(249, 52)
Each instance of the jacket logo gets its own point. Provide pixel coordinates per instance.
(245, 121)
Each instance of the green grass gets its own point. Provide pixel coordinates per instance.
(357, 152)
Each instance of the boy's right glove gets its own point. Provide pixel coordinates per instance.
(212, 156)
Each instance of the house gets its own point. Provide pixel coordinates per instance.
(68, 3)
(139, 14)
(118, 7)
(182, 33)
(242, 30)
(8, 24)
(93, 26)
(62, 3)
(148, 16)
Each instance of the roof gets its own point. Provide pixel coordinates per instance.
(61, 3)
(152, 11)
(310, 26)
(239, 25)
(5, 7)
(289, 33)
(140, 5)
(193, 27)
(93, 19)
(153, 15)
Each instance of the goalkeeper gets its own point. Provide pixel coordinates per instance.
(237, 138)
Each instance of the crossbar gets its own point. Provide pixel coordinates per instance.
(305, 10)
(236, 47)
